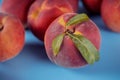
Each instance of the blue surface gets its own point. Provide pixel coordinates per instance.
(33, 64)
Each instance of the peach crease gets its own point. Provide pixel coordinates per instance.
(1, 27)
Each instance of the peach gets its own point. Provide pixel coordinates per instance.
(69, 56)
(12, 36)
(43, 12)
(74, 4)
(93, 5)
(18, 8)
(110, 12)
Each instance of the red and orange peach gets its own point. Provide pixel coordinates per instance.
(43, 12)
(69, 56)
(18, 8)
(110, 12)
(12, 36)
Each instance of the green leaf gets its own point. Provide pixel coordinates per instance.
(77, 19)
(56, 44)
(87, 49)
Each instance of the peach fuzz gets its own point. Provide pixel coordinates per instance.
(110, 12)
(18, 8)
(12, 37)
(43, 12)
(69, 56)
(74, 4)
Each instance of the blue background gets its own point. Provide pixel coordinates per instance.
(33, 64)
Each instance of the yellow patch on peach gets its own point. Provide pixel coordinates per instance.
(37, 11)
(78, 33)
(43, 6)
(62, 22)
(63, 9)
(34, 14)
(4, 20)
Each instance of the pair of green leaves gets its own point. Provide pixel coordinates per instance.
(56, 44)
(86, 48)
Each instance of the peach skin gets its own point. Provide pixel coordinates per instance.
(12, 37)
(18, 8)
(65, 45)
(43, 12)
(93, 5)
(110, 12)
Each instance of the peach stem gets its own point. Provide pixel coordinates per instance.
(69, 31)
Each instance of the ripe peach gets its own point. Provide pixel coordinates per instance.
(12, 36)
(69, 56)
(93, 5)
(74, 4)
(110, 11)
(18, 8)
(43, 12)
